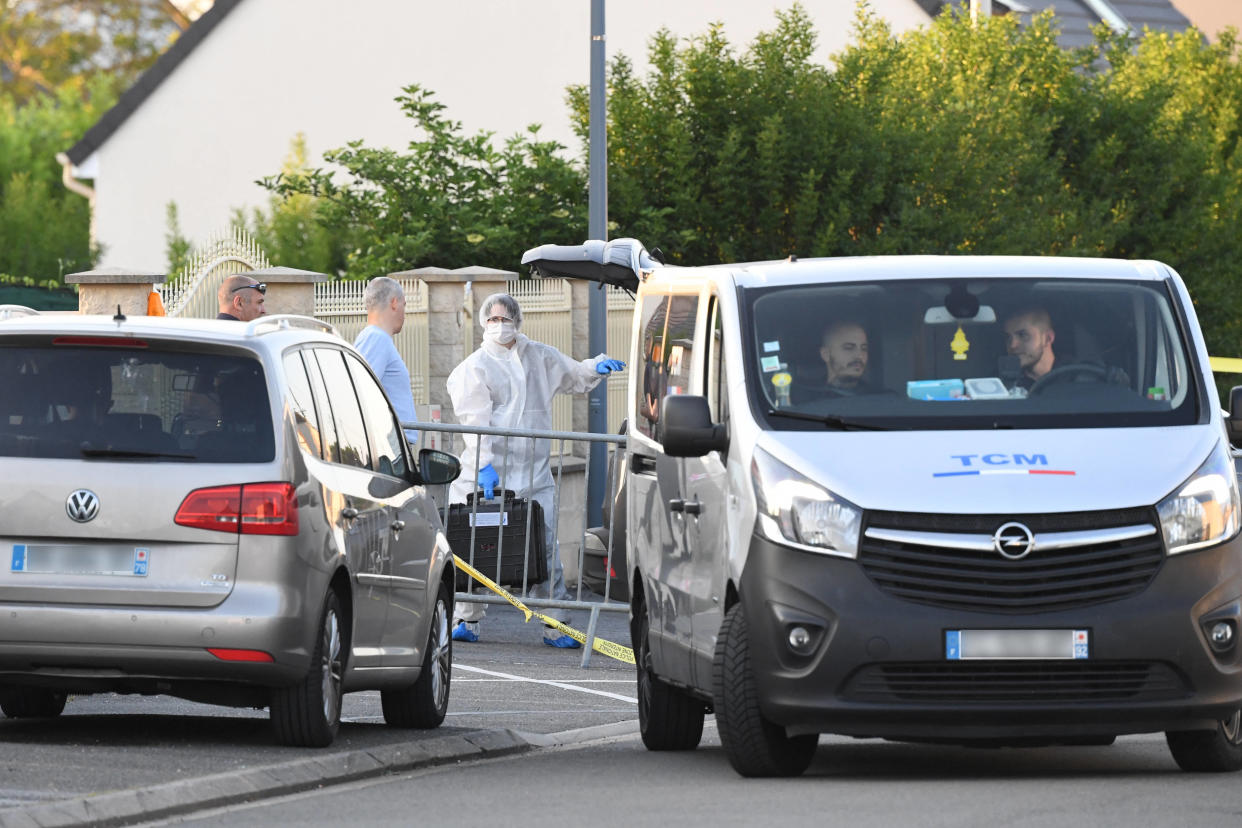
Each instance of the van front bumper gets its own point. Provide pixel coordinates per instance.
(876, 665)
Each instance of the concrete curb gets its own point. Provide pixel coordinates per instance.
(190, 795)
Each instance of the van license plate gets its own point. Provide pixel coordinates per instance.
(964, 645)
(83, 559)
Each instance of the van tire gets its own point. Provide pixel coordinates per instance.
(31, 702)
(755, 746)
(308, 714)
(668, 717)
(424, 703)
(1209, 751)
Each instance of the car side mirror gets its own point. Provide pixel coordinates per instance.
(1233, 425)
(438, 467)
(687, 427)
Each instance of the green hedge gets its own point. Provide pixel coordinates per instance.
(948, 139)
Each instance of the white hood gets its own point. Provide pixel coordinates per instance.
(988, 472)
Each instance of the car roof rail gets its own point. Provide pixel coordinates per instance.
(9, 311)
(285, 321)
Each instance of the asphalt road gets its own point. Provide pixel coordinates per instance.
(509, 692)
(851, 783)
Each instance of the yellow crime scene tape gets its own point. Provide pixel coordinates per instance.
(600, 645)
(1226, 365)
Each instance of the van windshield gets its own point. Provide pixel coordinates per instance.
(964, 354)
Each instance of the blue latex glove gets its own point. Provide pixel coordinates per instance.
(488, 480)
(607, 366)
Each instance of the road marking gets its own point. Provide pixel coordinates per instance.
(629, 681)
(559, 684)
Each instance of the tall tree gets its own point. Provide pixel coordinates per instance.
(48, 45)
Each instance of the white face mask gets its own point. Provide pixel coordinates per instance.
(502, 333)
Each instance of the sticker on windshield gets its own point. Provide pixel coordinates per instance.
(769, 347)
(770, 364)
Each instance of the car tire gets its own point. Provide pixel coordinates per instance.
(669, 718)
(755, 746)
(1209, 751)
(424, 703)
(31, 702)
(308, 714)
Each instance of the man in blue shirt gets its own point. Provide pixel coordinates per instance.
(385, 303)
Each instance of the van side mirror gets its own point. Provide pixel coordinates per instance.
(687, 427)
(1233, 424)
(438, 467)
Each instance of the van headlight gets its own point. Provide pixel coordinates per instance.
(1204, 509)
(792, 509)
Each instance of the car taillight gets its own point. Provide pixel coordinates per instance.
(217, 508)
(250, 509)
(269, 509)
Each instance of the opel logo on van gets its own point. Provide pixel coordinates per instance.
(82, 505)
(1013, 540)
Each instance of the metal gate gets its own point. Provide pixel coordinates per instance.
(192, 292)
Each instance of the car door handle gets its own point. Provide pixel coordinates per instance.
(349, 513)
(398, 525)
(689, 507)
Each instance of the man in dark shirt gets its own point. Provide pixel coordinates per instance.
(844, 352)
(241, 299)
(1029, 336)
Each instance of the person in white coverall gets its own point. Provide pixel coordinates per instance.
(509, 382)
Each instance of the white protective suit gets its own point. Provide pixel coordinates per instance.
(513, 388)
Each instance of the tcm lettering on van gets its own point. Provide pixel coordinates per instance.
(981, 464)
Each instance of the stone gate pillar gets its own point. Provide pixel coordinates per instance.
(102, 290)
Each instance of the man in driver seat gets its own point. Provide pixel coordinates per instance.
(1029, 336)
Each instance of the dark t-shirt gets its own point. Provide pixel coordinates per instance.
(808, 391)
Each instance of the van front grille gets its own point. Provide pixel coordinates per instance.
(981, 579)
(1017, 682)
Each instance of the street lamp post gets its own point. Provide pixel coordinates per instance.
(597, 338)
(979, 8)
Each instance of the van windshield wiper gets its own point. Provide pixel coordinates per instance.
(840, 422)
(87, 451)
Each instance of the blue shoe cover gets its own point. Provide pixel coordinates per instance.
(565, 642)
(463, 632)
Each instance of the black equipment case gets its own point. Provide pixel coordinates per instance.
(488, 516)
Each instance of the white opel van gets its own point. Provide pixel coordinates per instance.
(978, 500)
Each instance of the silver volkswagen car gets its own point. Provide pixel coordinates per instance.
(222, 511)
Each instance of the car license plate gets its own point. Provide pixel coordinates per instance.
(80, 559)
(963, 645)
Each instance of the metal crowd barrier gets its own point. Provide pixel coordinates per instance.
(512, 479)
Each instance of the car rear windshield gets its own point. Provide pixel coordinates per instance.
(101, 399)
(966, 354)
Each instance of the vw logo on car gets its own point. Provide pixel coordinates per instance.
(82, 505)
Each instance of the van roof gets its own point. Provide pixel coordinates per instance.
(626, 263)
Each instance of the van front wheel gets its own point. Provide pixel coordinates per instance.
(755, 746)
(1209, 751)
(668, 717)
